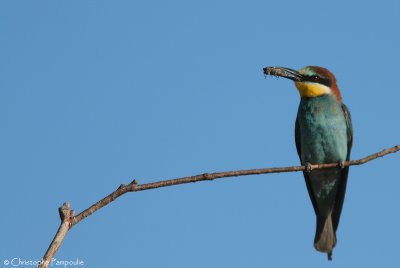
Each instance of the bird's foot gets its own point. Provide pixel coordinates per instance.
(341, 164)
(308, 167)
(329, 256)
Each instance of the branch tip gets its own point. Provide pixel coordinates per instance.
(65, 211)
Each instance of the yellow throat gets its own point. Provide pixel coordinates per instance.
(310, 89)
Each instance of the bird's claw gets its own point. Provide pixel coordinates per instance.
(341, 164)
(308, 167)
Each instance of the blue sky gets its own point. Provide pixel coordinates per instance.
(96, 93)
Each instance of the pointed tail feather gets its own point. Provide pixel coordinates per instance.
(325, 236)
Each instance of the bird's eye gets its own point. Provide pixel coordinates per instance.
(315, 77)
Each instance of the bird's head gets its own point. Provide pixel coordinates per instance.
(310, 81)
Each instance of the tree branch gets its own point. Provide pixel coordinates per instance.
(67, 215)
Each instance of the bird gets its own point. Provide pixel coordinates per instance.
(323, 134)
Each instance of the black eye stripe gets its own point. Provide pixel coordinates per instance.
(319, 79)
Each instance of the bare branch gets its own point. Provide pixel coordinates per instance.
(66, 216)
(68, 220)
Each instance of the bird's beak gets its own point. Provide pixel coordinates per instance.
(284, 72)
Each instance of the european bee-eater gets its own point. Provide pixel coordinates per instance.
(323, 134)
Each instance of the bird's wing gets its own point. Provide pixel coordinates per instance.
(297, 134)
(349, 130)
(343, 180)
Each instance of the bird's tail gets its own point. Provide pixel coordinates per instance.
(325, 236)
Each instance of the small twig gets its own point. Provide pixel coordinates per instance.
(68, 220)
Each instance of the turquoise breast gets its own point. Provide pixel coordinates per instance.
(323, 130)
